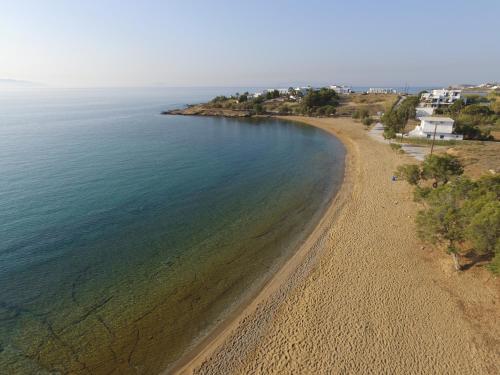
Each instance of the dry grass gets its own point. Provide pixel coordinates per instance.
(478, 158)
(372, 102)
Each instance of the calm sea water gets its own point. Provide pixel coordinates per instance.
(125, 234)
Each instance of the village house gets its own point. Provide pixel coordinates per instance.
(381, 90)
(341, 89)
(438, 98)
(442, 126)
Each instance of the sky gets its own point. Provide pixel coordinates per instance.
(249, 43)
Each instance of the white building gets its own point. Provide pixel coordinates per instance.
(303, 90)
(381, 90)
(437, 98)
(424, 112)
(341, 89)
(443, 126)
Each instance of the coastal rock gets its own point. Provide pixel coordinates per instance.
(204, 110)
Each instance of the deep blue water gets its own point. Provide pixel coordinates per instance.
(125, 233)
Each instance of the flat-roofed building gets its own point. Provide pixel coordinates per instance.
(442, 126)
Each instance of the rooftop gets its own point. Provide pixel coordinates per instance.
(433, 118)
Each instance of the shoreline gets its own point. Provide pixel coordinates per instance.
(394, 305)
(206, 346)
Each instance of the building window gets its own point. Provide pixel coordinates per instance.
(428, 135)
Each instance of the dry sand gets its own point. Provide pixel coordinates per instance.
(362, 296)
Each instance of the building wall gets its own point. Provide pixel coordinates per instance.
(442, 127)
(424, 111)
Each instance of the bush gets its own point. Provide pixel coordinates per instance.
(472, 132)
(464, 214)
(258, 108)
(314, 99)
(360, 113)
(396, 147)
(441, 168)
(477, 110)
(408, 172)
(367, 121)
(284, 109)
(389, 133)
(461, 213)
(330, 110)
(219, 99)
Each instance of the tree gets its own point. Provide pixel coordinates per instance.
(441, 168)
(360, 113)
(367, 121)
(462, 214)
(442, 221)
(410, 173)
(258, 108)
(477, 110)
(456, 107)
(330, 110)
(396, 118)
(242, 98)
(483, 229)
(472, 131)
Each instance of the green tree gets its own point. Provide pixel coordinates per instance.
(367, 121)
(483, 229)
(477, 110)
(441, 168)
(284, 109)
(258, 108)
(396, 118)
(442, 221)
(330, 110)
(410, 173)
(360, 113)
(456, 107)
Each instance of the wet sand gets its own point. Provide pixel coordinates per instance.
(362, 295)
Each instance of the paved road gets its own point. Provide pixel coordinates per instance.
(417, 151)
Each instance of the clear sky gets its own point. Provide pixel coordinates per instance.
(250, 43)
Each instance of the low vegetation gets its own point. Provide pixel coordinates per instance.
(475, 116)
(396, 118)
(460, 213)
(322, 102)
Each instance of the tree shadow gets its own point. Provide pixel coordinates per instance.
(476, 259)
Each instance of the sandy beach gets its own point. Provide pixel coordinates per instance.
(362, 295)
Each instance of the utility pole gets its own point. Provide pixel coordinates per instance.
(434, 137)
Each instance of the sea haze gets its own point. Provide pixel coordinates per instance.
(126, 234)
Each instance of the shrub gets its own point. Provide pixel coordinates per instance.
(389, 133)
(441, 168)
(472, 131)
(395, 146)
(258, 108)
(360, 113)
(463, 214)
(408, 172)
(220, 98)
(315, 99)
(367, 121)
(284, 109)
(330, 110)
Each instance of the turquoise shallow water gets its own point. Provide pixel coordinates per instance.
(126, 234)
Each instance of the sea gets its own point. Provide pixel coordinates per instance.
(127, 236)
